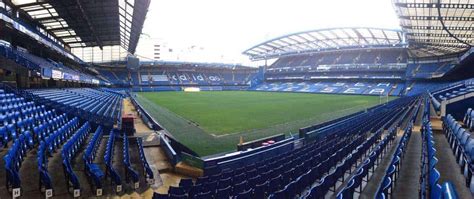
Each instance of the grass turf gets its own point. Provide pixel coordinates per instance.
(212, 122)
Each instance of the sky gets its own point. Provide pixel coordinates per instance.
(220, 30)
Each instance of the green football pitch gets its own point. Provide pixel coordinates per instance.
(213, 122)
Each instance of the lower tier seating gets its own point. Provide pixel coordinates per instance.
(312, 170)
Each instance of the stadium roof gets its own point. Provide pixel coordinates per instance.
(89, 23)
(435, 28)
(326, 39)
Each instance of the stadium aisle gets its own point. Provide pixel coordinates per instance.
(448, 168)
(409, 178)
(376, 179)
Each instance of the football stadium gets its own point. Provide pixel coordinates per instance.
(331, 112)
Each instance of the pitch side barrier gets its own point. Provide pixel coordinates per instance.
(237, 159)
(321, 132)
(305, 130)
(146, 117)
(257, 143)
(170, 145)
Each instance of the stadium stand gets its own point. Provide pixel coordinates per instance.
(152, 77)
(362, 72)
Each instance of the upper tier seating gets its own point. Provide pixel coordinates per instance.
(95, 105)
(39, 64)
(374, 57)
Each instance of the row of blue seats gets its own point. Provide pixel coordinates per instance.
(130, 173)
(82, 101)
(10, 99)
(110, 170)
(454, 92)
(115, 101)
(9, 130)
(383, 122)
(362, 172)
(392, 172)
(430, 176)
(92, 170)
(462, 143)
(347, 156)
(46, 125)
(102, 107)
(53, 141)
(450, 92)
(148, 173)
(13, 161)
(14, 158)
(469, 119)
(19, 116)
(69, 151)
(25, 108)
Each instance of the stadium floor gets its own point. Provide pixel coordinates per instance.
(213, 122)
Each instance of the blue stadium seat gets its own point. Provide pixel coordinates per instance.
(110, 170)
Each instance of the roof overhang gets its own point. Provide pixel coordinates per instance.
(436, 28)
(327, 39)
(89, 23)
